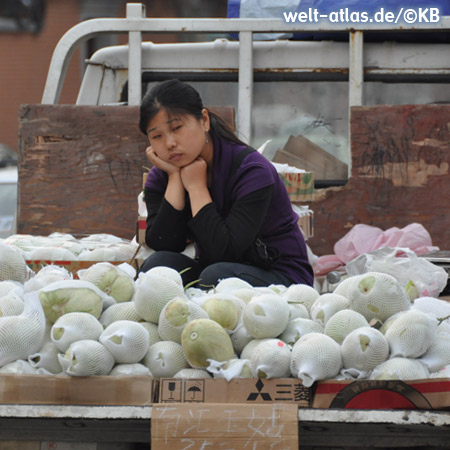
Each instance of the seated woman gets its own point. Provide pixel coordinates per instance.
(208, 187)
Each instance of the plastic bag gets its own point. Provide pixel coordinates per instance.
(410, 270)
(262, 9)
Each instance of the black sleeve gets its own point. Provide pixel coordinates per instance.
(166, 226)
(226, 239)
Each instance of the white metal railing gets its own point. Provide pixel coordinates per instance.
(135, 23)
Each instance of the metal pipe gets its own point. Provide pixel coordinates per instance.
(355, 81)
(135, 11)
(245, 85)
(90, 28)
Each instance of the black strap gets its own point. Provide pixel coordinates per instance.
(237, 163)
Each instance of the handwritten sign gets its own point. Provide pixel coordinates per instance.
(229, 426)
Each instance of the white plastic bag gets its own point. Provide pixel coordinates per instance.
(402, 263)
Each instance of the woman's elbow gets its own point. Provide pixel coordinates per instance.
(158, 243)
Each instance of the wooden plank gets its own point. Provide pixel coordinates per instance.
(400, 175)
(23, 445)
(80, 168)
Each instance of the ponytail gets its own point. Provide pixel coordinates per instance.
(220, 128)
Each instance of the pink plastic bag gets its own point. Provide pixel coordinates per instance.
(366, 238)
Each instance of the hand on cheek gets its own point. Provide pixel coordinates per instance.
(194, 175)
(160, 163)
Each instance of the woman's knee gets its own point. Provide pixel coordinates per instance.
(212, 274)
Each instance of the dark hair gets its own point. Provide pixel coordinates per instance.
(177, 97)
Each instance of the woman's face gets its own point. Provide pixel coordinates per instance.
(178, 139)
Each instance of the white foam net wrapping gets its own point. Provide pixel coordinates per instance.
(245, 294)
(127, 341)
(444, 327)
(133, 369)
(266, 316)
(315, 357)
(400, 369)
(438, 355)
(152, 293)
(62, 297)
(167, 272)
(65, 247)
(51, 254)
(411, 334)
(437, 307)
(231, 284)
(301, 293)
(48, 274)
(18, 367)
(271, 359)
(72, 327)
(248, 350)
(192, 373)
(233, 368)
(443, 373)
(343, 322)
(7, 286)
(165, 359)
(364, 349)
(175, 315)
(12, 264)
(120, 311)
(326, 306)
(111, 279)
(46, 358)
(85, 358)
(343, 285)
(377, 296)
(297, 310)
(240, 337)
(24, 334)
(297, 328)
(153, 335)
(12, 303)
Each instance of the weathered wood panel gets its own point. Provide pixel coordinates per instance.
(80, 168)
(400, 175)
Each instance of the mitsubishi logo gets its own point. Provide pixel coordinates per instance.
(264, 395)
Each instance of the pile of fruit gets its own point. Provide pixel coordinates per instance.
(109, 321)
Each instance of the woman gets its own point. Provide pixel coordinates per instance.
(210, 188)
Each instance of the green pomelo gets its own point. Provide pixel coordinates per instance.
(204, 339)
(366, 284)
(222, 311)
(177, 312)
(62, 301)
(120, 287)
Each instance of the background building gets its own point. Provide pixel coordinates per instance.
(30, 30)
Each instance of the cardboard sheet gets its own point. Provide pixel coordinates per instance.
(383, 394)
(93, 390)
(238, 390)
(224, 426)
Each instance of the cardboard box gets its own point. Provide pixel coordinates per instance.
(300, 186)
(302, 153)
(93, 390)
(224, 426)
(383, 394)
(306, 224)
(141, 227)
(72, 266)
(238, 390)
